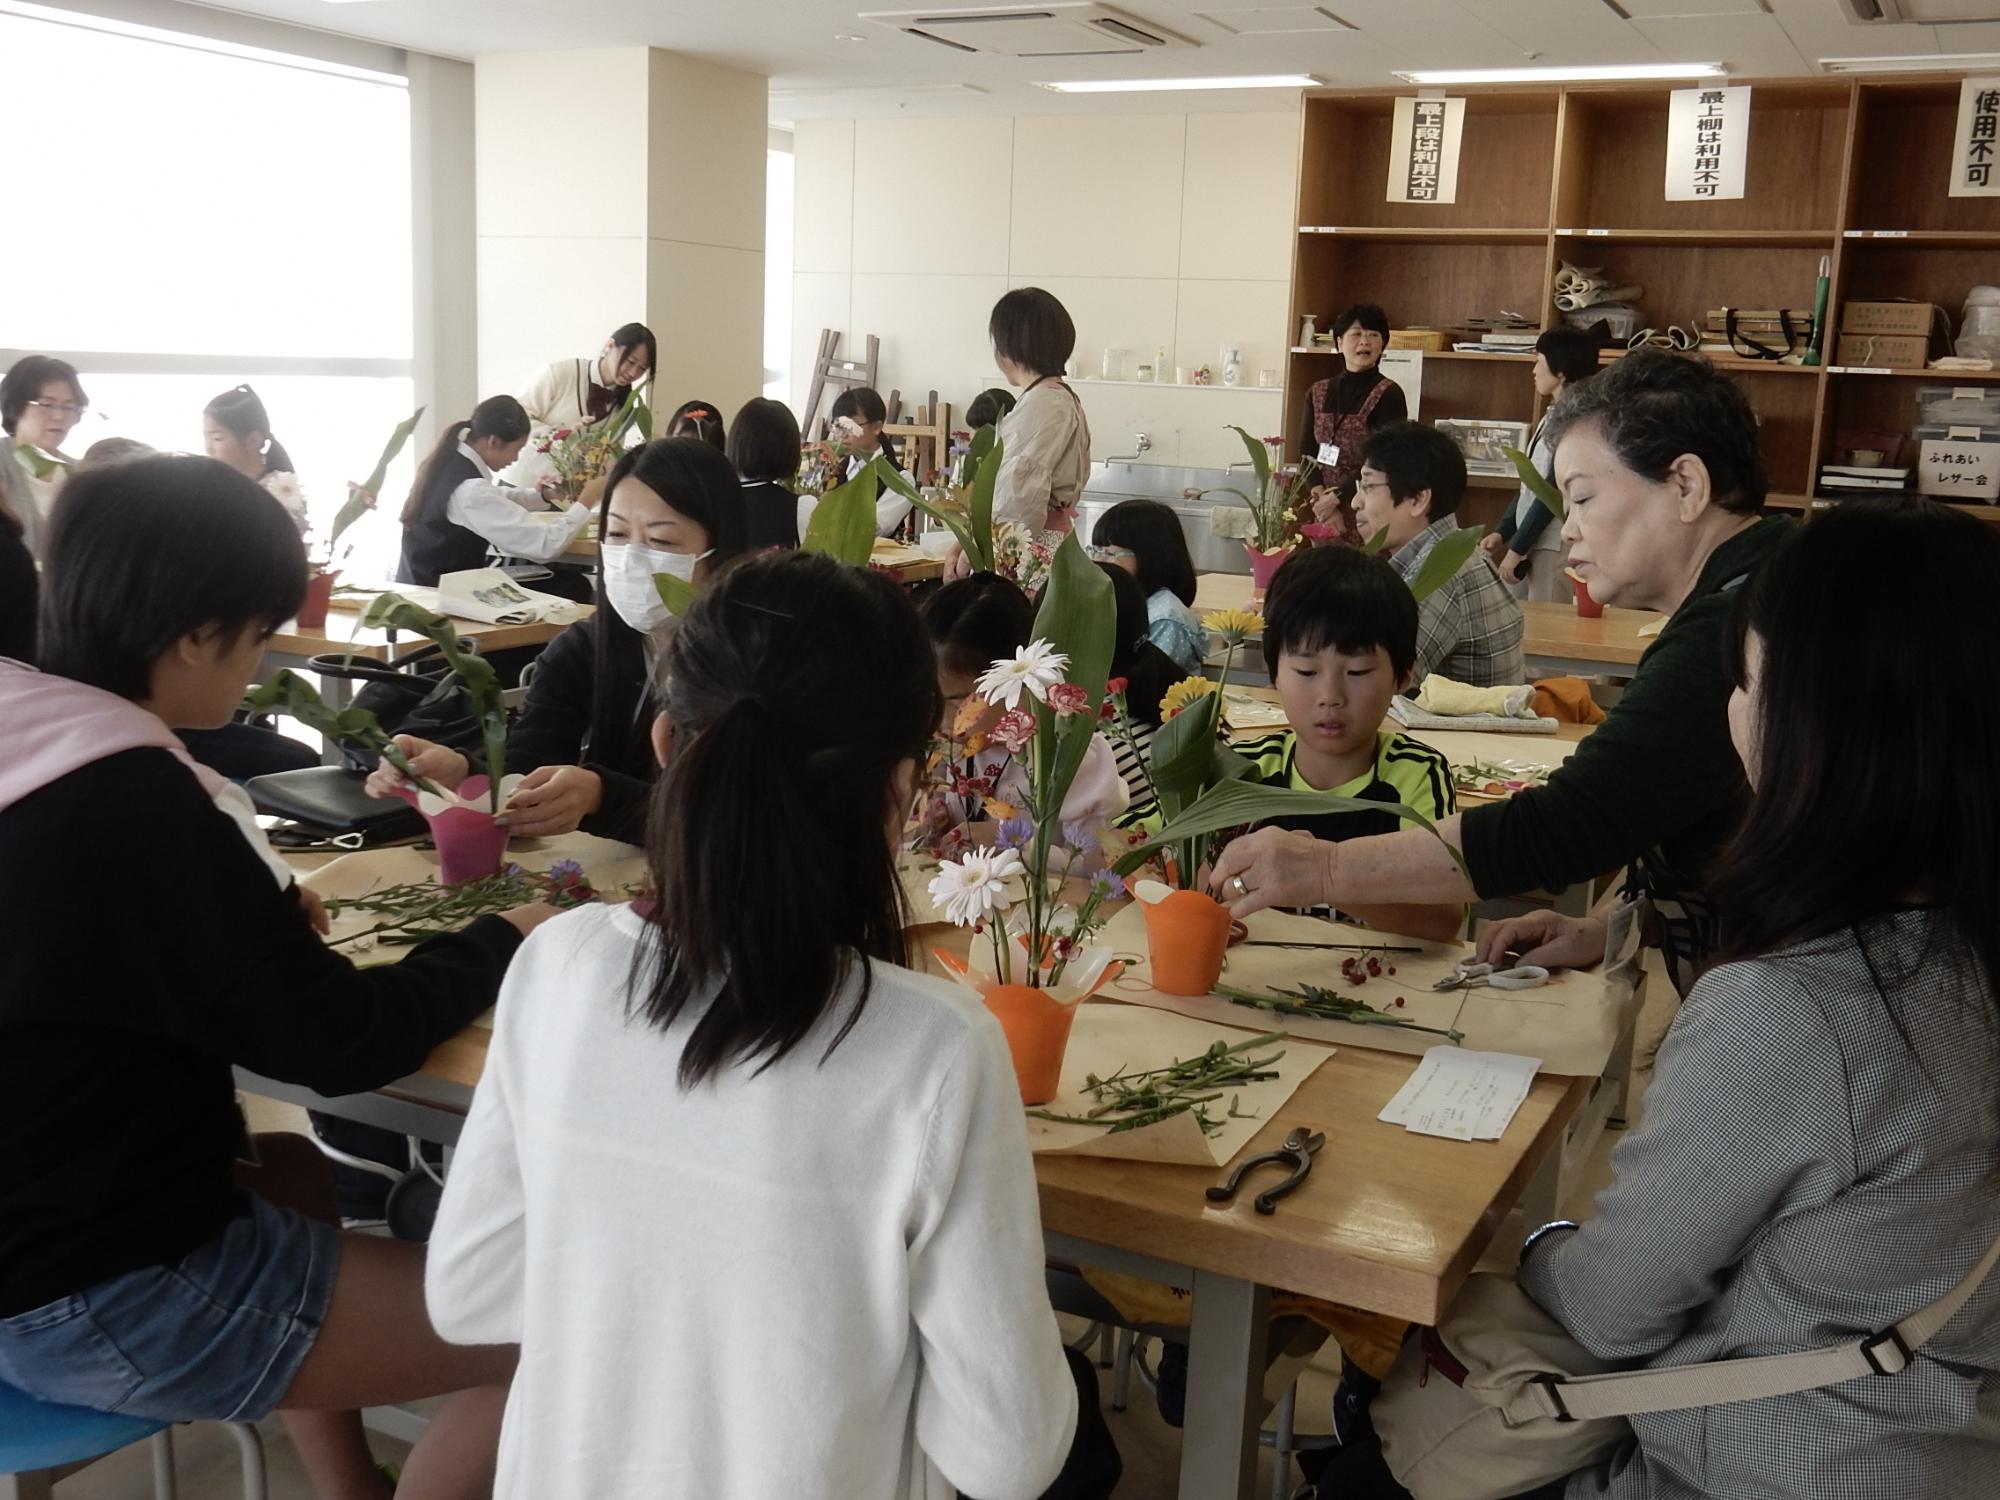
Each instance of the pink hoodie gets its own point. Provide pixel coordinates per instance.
(51, 726)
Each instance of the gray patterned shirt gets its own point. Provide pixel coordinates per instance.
(1470, 629)
(1816, 1163)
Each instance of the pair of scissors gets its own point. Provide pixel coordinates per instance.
(1471, 974)
(1296, 1153)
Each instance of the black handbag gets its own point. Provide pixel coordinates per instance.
(417, 696)
(329, 801)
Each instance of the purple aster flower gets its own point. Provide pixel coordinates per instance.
(1106, 885)
(1014, 834)
(1081, 833)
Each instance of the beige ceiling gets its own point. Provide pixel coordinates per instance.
(812, 74)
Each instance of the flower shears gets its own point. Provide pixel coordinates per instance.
(1296, 1153)
(1472, 974)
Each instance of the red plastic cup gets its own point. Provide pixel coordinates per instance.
(1586, 606)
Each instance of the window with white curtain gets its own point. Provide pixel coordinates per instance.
(186, 217)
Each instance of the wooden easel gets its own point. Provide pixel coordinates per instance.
(924, 442)
(830, 369)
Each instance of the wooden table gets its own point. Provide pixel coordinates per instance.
(1559, 642)
(1222, 591)
(1389, 1221)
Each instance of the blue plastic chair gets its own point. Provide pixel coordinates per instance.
(41, 1442)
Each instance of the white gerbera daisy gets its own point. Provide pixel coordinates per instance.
(1035, 668)
(972, 888)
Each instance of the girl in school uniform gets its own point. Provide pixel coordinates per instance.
(155, 1260)
(802, 1166)
(578, 392)
(1144, 538)
(674, 506)
(458, 510)
(857, 417)
(764, 447)
(236, 429)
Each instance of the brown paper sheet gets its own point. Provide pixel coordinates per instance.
(1109, 1037)
(1572, 1023)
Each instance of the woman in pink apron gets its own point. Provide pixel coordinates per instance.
(1342, 410)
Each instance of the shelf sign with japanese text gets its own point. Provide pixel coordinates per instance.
(1423, 150)
(1708, 143)
(1957, 469)
(1975, 149)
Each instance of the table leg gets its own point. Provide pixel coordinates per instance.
(1225, 1392)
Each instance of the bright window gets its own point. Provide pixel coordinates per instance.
(208, 219)
(778, 275)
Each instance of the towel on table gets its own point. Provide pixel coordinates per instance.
(1440, 695)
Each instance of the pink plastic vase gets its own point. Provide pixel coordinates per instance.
(470, 844)
(1264, 565)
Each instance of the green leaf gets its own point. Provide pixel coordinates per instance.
(482, 685)
(364, 497)
(1536, 482)
(1260, 457)
(676, 593)
(291, 695)
(981, 509)
(843, 523)
(1184, 754)
(1238, 804)
(1377, 544)
(1444, 561)
(1077, 617)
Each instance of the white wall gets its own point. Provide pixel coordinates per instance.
(1156, 231)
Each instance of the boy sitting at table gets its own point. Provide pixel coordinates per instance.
(1340, 640)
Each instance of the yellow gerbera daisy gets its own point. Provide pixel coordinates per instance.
(1234, 625)
(1188, 690)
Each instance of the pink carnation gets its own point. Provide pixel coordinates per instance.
(1068, 698)
(1015, 728)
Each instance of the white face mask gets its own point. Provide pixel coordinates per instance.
(628, 581)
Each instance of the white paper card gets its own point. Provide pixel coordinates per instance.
(1423, 150)
(1708, 143)
(1961, 471)
(1406, 368)
(1461, 1095)
(1329, 455)
(1975, 146)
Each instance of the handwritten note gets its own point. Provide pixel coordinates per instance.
(1462, 1096)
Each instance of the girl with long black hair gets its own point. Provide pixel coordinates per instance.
(236, 429)
(458, 510)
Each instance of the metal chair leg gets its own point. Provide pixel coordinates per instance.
(1104, 1346)
(250, 1450)
(1121, 1369)
(1283, 1441)
(162, 1445)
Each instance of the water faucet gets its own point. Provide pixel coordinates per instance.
(1145, 445)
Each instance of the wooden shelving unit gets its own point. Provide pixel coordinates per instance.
(1849, 170)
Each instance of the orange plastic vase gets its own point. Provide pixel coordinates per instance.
(1186, 933)
(1037, 1031)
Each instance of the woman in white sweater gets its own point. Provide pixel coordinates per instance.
(727, 1157)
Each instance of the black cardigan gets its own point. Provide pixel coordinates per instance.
(19, 590)
(554, 729)
(124, 1000)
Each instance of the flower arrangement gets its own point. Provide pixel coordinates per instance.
(475, 673)
(1022, 556)
(1275, 509)
(1047, 700)
(967, 508)
(587, 451)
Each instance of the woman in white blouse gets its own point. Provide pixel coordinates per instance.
(236, 429)
(457, 509)
(1045, 439)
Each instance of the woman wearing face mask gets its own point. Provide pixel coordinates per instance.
(581, 740)
(457, 510)
(1343, 409)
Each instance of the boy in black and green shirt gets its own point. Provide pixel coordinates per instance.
(1340, 640)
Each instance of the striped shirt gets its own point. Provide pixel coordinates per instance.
(1470, 629)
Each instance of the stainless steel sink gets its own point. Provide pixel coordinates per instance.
(1112, 482)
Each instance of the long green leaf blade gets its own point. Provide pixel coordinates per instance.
(1260, 457)
(1536, 482)
(363, 499)
(392, 611)
(1076, 617)
(843, 523)
(1238, 804)
(981, 509)
(1444, 561)
(676, 593)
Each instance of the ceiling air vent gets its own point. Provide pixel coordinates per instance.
(1061, 28)
(1920, 12)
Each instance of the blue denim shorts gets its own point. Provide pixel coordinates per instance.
(217, 1337)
